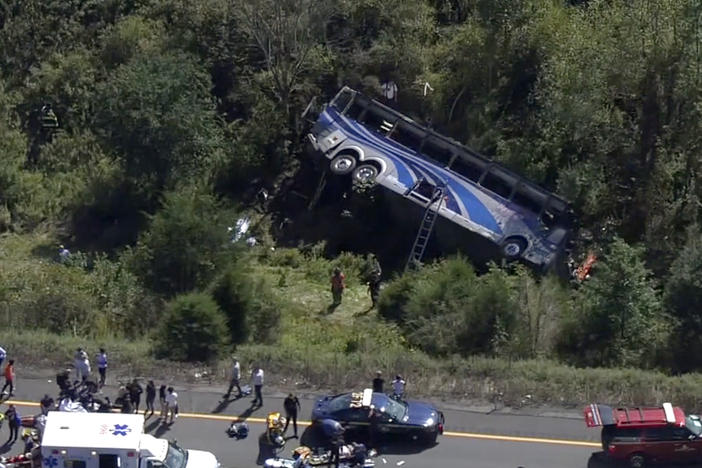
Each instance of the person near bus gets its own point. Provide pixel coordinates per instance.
(338, 284)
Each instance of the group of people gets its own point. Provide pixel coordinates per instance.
(373, 279)
(257, 377)
(129, 399)
(81, 363)
(398, 385)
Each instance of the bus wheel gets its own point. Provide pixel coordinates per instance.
(365, 174)
(513, 248)
(342, 164)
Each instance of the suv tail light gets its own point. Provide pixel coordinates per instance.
(611, 448)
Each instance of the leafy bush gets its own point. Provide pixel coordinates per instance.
(234, 292)
(192, 329)
(183, 246)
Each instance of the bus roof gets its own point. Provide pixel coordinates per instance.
(93, 430)
(559, 200)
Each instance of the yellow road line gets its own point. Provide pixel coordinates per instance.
(465, 435)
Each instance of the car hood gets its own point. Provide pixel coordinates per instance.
(200, 459)
(321, 408)
(421, 414)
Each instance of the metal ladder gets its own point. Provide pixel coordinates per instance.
(431, 212)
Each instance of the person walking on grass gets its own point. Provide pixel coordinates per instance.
(101, 359)
(172, 403)
(291, 405)
(9, 378)
(257, 380)
(236, 375)
(150, 397)
(338, 284)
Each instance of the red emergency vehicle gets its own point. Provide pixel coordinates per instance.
(642, 436)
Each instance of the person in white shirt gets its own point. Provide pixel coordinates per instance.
(172, 403)
(102, 366)
(78, 364)
(236, 376)
(3, 355)
(257, 379)
(389, 89)
(398, 387)
(84, 365)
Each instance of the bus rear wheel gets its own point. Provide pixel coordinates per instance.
(513, 248)
(342, 164)
(365, 174)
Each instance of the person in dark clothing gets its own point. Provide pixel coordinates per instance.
(374, 288)
(336, 444)
(150, 397)
(162, 401)
(338, 285)
(14, 421)
(373, 428)
(127, 404)
(47, 404)
(378, 382)
(291, 405)
(135, 391)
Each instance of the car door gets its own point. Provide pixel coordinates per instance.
(684, 445)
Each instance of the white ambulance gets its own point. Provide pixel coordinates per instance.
(112, 440)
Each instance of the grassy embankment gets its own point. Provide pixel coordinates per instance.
(333, 350)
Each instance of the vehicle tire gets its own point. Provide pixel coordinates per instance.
(513, 248)
(342, 164)
(365, 174)
(637, 460)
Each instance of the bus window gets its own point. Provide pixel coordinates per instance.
(530, 198)
(554, 213)
(356, 109)
(499, 182)
(408, 135)
(437, 150)
(342, 100)
(468, 166)
(378, 120)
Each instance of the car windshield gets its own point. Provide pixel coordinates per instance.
(393, 408)
(339, 403)
(176, 457)
(693, 423)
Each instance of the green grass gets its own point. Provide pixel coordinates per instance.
(336, 350)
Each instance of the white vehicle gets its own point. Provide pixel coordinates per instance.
(112, 440)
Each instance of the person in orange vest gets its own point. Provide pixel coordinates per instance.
(337, 285)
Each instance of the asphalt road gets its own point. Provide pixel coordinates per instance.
(472, 438)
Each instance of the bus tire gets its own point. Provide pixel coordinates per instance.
(342, 164)
(513, 247)
(365, 174)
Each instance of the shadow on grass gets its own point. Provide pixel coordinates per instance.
(48, 251)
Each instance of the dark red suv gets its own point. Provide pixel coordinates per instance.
(640, 436)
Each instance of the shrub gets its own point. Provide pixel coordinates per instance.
(192, 329)
(234, 292)
(183, 246)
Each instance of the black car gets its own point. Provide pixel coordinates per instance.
(414, 419)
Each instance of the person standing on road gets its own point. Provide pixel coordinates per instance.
(338, 285)
(162, 401)
(78, 364)
(373, 428)
(236, 375)
(14, 421)
(398, 387)
(150, 397)
(102, 366)
(378, 382)
(3, 355)
(172, 402)
(257, 380)
(291, 405)
(135, 391)
(46, 404)
(9, 378)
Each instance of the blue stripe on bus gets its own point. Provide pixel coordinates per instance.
(477, 211)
